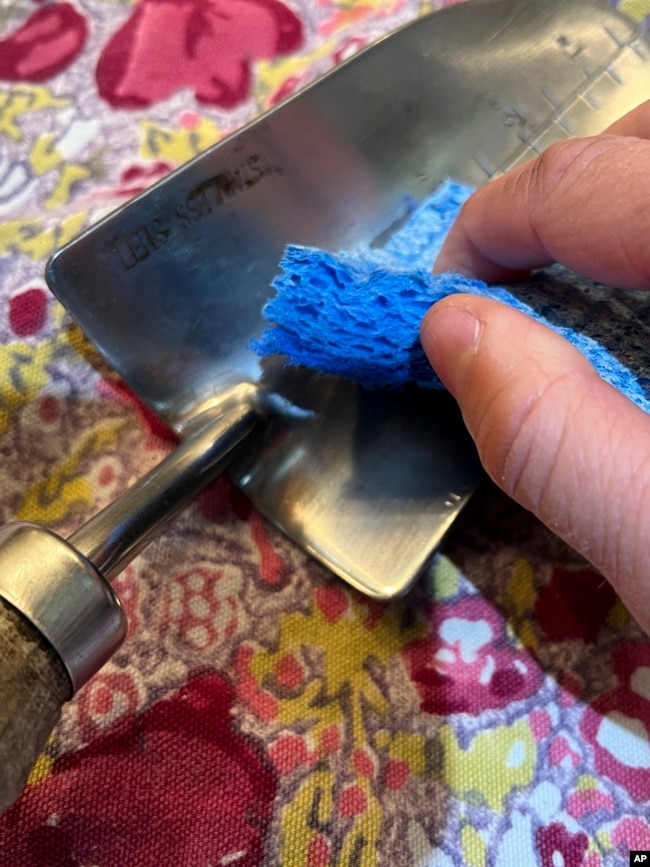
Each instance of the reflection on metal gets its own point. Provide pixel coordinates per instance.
(170, 287)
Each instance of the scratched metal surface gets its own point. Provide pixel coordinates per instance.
(170, 287)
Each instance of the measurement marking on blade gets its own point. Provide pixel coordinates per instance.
(614, 37)
(484, 164)
(612, 72)
(587, 95)
(571, 50)
(590, 99)
(641, 49)
(566, 124)
(551, 97)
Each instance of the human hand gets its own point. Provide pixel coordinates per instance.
(549, 431)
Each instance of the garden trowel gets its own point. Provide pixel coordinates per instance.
(170, 288)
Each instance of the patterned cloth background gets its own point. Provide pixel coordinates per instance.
(260, 712)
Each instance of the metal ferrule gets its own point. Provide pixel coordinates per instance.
(73, 607)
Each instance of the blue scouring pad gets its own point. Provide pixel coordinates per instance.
(358, 315)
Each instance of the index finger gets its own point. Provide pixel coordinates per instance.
(583, 202)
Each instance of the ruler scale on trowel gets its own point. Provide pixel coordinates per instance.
(170, 289)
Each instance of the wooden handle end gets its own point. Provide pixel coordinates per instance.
(33, 687)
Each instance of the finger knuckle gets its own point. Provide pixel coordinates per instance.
(574, 164)
(560, 163)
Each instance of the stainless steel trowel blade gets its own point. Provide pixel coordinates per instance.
(170, 287)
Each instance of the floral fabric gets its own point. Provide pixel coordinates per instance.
(261, 712)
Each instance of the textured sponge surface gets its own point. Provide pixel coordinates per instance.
(358, 314)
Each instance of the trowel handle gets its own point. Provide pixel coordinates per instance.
(60, 620)
(33, 687)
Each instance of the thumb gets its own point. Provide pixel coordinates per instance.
(555, 436)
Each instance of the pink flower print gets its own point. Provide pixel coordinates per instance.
(631, 833)
(290, 752)
(587, 801)
(561, 753)
(203, 45)
(617, 724)
(540, 723)
(44, 45)
(319, 852)
(467, 664)
(289, 86)
(202, 606)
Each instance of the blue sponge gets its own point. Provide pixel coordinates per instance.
(358, 315)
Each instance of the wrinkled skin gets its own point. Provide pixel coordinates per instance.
(550, 432)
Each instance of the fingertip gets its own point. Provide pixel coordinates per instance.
(444, 264)
(461, 253)
(555, 436)
(450, 335)
(581, 202)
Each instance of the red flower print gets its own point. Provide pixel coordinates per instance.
(108, 696)
(203, 45)
(44, 45)
(202, 606)
(134, 179)
(290, 752)
(221, 499)
(352, 802)
(274, 572)
(574, 605)
(332, 601)
(556, 839)
(467, 664)
(396, 774)
(617, 724)
(27, 312)
(174, 785)
(261, 702)
(116, 389)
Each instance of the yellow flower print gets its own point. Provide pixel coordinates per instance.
(496, 763)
